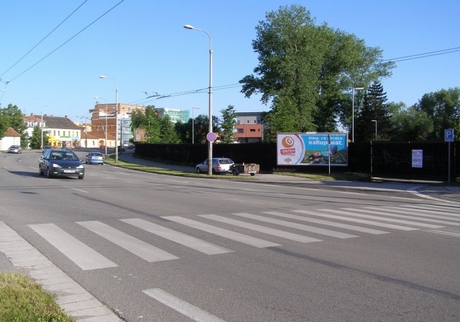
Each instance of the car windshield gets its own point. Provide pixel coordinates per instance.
(69, 156)
(225, 161)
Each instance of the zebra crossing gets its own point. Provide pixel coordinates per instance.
(293, 225)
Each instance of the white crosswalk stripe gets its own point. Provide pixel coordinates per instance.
(450, 213)
(138, 247)
(327, 223)
(383, 216)
(262, 229)
(453, 211)
(418, 215)
(320, 231)
(405, 217)
(178, 237)
(356, 220)
(245, 239)
(82, 255)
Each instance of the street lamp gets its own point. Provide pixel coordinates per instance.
(210, 96)
(193, 124)
(105, 130)
(353, 111)
(375, 121)
(116, 114)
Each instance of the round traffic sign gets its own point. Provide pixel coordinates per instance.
(211, 137)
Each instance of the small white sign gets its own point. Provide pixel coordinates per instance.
(417, 158)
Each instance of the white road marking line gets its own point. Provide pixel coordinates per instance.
(431, 217)
(444, 211)
(136, 246)
(384, 216)
(289, 224)
(245, 239)
(178, 237)
(361, 221)
(79, 253)
(327, 223)
(185, 308)
(262, 229)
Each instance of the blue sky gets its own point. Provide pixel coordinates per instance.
(143, 46)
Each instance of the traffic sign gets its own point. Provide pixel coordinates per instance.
(449, 135)
(211, 137)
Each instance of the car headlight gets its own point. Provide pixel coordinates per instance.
(81, 166)
(55, 165)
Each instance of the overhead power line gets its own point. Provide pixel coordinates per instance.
(43, 38)
(424, 55)
(68, 40)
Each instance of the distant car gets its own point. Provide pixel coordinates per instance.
(219, 165)
(94, 158)
(60, 163)
(15, 149)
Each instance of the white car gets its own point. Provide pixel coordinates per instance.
(219, 165)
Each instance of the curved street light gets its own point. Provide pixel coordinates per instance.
(116, 114)
(210, 96)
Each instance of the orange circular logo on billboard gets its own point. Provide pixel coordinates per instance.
(287, 142)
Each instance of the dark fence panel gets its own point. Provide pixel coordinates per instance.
(395, 159)
(379, 159)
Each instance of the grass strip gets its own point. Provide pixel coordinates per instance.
(21, 299)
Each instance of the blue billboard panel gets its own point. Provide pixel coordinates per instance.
(315, 149)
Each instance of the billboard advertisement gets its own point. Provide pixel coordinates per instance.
(312, 149)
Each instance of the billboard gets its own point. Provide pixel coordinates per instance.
(312, 149)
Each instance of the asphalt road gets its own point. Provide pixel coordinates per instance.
(161, 248)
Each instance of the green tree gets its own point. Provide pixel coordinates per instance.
(409, 124)
(13, 117)
(168, 133)
(3, 124)
(305, 69)
(35, 140)
(228, 123)
(374, 109)
(443, 107)
(149, 121)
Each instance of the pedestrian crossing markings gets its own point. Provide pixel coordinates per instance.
(355, 221)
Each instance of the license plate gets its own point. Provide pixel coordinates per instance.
(69, 171)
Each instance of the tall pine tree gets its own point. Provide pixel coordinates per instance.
(374, 113)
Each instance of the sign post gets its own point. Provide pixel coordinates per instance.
(448, 137)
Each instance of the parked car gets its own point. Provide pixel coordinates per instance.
(61, 163)
(15, 149)
(94, 158)
(219, 165)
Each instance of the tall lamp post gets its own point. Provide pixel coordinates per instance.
(210, 142)
(193, 124)
(353, 111)
(375, 121)
(116, 114)
(105, 129)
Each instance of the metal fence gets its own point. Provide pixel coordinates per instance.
(440, 160)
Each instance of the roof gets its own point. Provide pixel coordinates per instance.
(10, 132)
(56, 122)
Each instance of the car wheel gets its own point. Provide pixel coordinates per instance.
(48, 173)
(198, 170)
(81, 177)
(40, 172)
